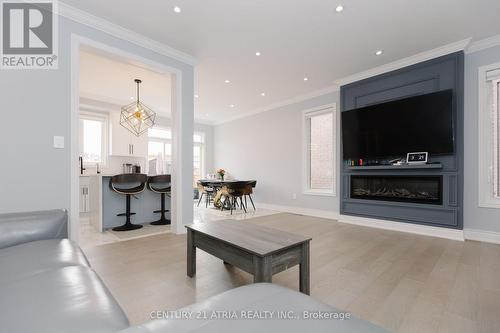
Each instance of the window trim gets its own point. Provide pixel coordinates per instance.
(104, 118)
(486, 198)
(306, 114)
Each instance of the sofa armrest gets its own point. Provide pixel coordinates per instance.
(18, 228)
(259, 307)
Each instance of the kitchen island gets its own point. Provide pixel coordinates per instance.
(105, 204)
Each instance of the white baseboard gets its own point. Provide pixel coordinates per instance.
(482, 236)
(325, 214)
(418, 229)
(371, 223)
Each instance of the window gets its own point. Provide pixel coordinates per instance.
(198, 157)
(489, 136)
(93, 138)
(160, 147)
(319, 139)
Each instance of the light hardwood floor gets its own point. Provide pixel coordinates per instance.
(403, 282)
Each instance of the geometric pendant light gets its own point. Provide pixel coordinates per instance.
(137, 117)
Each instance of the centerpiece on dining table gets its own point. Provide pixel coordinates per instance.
(221, 173)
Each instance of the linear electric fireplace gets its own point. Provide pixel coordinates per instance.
(416, 189)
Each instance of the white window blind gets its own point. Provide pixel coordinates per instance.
(319, 151)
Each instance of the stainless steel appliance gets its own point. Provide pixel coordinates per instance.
(128, 168)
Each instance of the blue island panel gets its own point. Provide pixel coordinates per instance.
(114, 203)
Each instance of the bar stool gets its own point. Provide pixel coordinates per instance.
(136, 184)
(160, 184)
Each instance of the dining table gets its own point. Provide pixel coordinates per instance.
(217, 185)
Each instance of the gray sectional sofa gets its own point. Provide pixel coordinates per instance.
(47, 285)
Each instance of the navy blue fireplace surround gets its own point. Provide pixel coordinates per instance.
(429, 195)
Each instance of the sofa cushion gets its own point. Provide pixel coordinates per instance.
(19, 228)
(70, 299)
(256, 303)
(28, 259)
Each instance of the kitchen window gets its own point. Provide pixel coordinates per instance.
(93, 138)
(160, 148)
(489, 136)
(319, 151)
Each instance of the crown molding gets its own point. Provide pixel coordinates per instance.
(115, 30)
(412, 60)
(483, 44)
(287, 102)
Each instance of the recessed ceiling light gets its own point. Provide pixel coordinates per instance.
(257, 54)
(379, 52)
(177, 9)
(206, 114)
(306, 79)
(196, 96)
(263, 94)
(231, 105)
(339, 8)
(226, 81)
(132, 98)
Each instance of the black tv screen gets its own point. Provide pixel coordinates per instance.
(422, 123)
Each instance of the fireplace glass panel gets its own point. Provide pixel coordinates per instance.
(416, 189)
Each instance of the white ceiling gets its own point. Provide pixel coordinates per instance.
(106, 79)
(297, 38)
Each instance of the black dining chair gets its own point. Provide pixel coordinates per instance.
(232, 191)
(128, 184)
(204, 189)
(161, 184)
(248, 192)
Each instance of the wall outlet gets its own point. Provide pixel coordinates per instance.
(294, 196)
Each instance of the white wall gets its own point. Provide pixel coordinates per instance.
(267, 147)
(37, 103)
(476, 217)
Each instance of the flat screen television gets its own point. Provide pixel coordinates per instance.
(421, 123)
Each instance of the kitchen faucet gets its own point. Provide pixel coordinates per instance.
(81, 165)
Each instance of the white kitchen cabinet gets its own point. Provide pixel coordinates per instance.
(84, 195)
(123, 142)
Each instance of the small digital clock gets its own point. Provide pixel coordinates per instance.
(417, 158)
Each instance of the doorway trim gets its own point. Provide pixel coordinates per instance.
(77, 41)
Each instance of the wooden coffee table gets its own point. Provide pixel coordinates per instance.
(258, 250)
